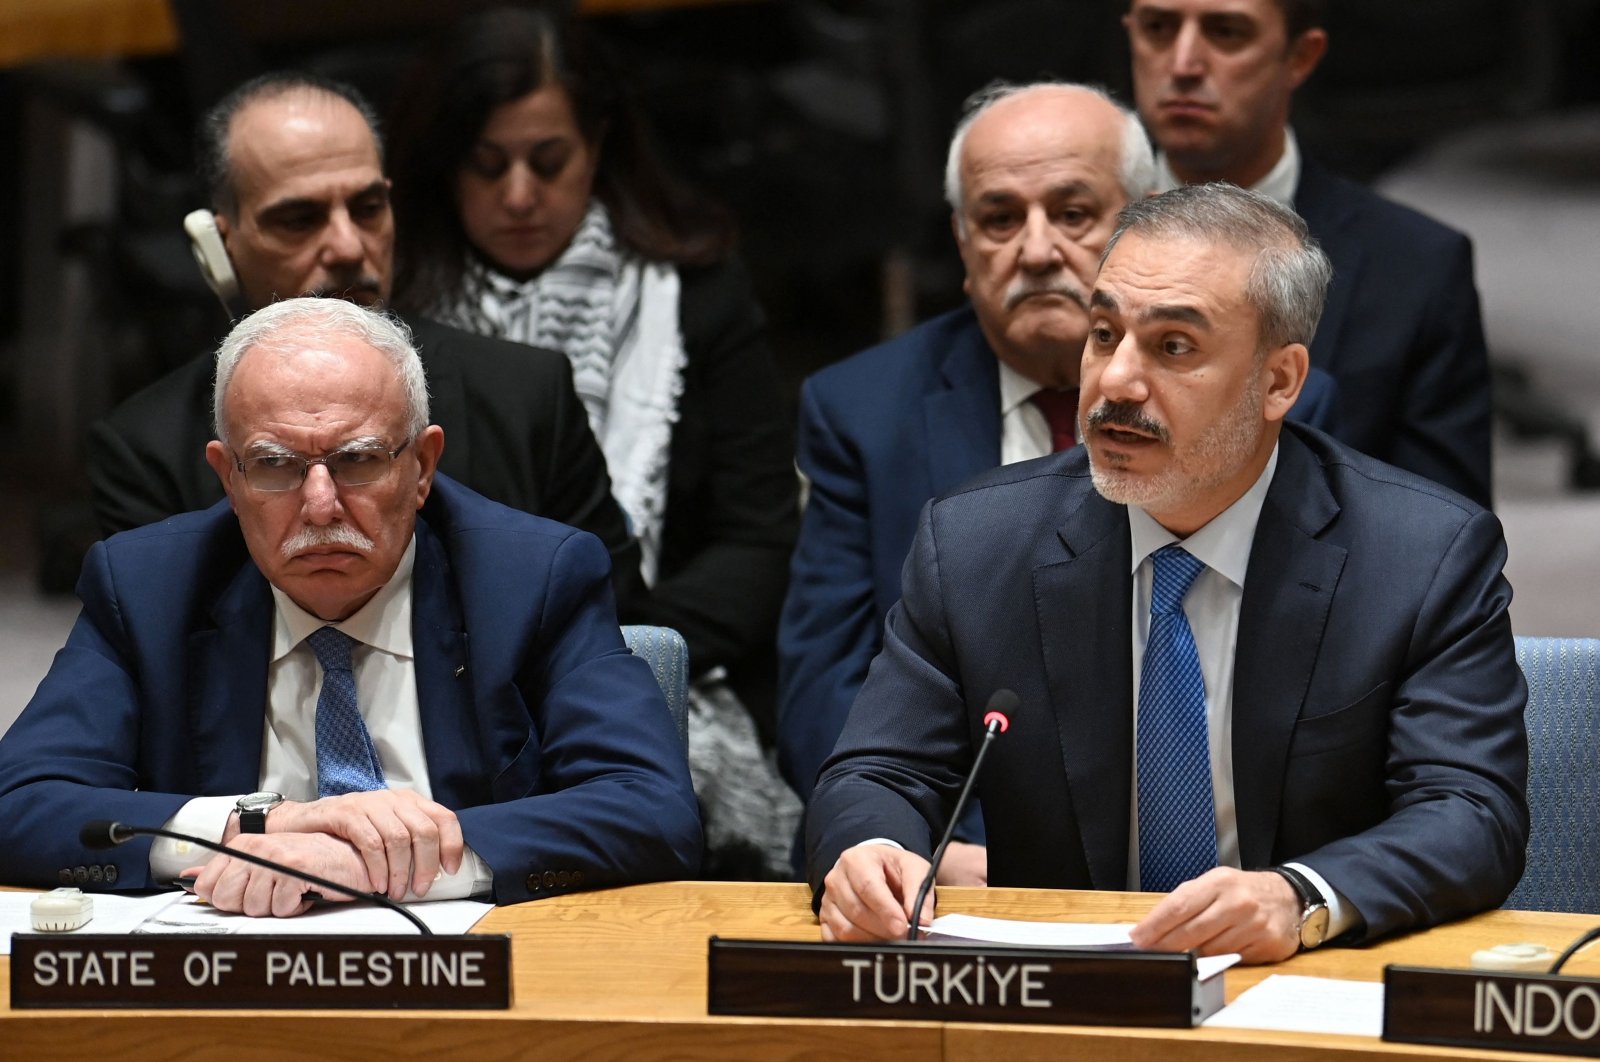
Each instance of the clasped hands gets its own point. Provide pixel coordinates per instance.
(869, 893)
(392, 841)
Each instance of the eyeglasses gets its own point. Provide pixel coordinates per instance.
(350, 467)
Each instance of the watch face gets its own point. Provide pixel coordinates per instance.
(259, 801)
(1314, 930)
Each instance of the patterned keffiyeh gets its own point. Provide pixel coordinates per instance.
(615, 317)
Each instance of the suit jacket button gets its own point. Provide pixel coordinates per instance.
(64, 875)
(111, 873)
(564, 879)
(80, 875)
(533, 882)
(550, 879)
(96, 874)
(577, 878)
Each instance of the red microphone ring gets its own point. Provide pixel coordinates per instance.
(1005, 724)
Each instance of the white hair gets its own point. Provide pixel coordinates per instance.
(1138, 170)
(295, 323)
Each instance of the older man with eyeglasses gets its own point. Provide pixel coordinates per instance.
(353, 666)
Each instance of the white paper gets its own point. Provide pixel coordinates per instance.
(178, 912)
(1288, 1003)
(185, 914)
(1102, 936)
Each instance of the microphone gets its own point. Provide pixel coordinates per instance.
(996, 720)
(103, 833)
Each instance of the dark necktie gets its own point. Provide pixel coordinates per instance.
(346, 760)
(1177, 814)
(1060, 409)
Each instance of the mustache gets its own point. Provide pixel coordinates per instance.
(1127, 415)
(1026, 287)
(312, 537)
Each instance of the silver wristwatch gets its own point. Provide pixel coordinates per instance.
(253, 808)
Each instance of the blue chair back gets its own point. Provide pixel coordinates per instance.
(668, 656)
(1563, 871)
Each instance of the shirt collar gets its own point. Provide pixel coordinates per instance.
(1279, 183)
(1223, 543)
(1015, 388)
(384, 622)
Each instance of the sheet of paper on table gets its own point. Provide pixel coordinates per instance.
(1288, 1003)
(1105, 936)
(178, 912)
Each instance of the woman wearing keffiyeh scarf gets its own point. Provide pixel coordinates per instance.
(530, 206)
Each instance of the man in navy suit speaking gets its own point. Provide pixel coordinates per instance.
(352, 665)
(1257, 670)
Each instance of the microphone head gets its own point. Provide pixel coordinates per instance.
(1001, 704)
(103, 833)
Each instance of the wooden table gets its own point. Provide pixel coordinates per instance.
(621, 974)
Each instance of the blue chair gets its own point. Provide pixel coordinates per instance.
(1563, 871)
(668, 656)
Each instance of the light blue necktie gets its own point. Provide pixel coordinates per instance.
(1177, 816)
(346, 760)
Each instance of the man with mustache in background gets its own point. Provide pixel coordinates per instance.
(293, 164)
(1034, 178)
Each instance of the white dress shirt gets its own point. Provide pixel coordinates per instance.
(1024, 433)
(386, 694)
(1279, 183)
(1212, 609)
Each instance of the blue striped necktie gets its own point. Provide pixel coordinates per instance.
(1177, 815)
(346, 760)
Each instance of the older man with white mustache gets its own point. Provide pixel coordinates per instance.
(355, 666)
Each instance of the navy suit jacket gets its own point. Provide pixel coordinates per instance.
(542, 732)
(880, 434)
(1377, 703)
(1402, 333)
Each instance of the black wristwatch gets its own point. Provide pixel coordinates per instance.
(253, 808)
(1313, 908)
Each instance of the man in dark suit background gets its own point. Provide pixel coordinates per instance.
(301, 206)
(1035, 176)
(1339, 751)
(289, 671)
(1402, 332)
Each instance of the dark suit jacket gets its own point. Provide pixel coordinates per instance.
(880, 434)
(546, 736)
(1377, 702)
(1402, 333)
(514, 432)
(731, 495)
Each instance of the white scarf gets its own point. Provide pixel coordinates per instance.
(615, 317)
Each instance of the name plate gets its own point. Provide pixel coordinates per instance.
(1480, 1008)
(936, 981)
(471, 972)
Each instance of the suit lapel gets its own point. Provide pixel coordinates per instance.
(1084, 604)
(1326, 214)
(228, 682)
(1288, 592)
(444, 684)
(962, 420)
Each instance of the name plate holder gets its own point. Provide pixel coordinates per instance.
(939, 981)
(1558, 1014)
(299, 971)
